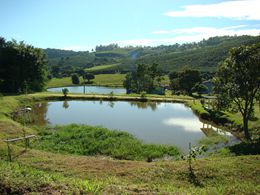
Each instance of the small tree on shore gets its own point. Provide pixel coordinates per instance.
(237, 82)
(88, 76)
(65, 92)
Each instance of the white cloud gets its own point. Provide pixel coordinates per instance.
(187, 35)
(240, 10)
(206, 32)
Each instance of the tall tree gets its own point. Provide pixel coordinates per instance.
(238, 81)
(75, 79)
(188, 79)
(23, 67)
(88, 76)
(144, 78)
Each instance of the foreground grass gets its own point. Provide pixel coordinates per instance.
(16, 178)
(88, 140)
(215, 175)
(109, 80)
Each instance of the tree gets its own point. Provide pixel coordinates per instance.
(89, 76)
(188, 78)
(199, 88)
(238, 81)
(75, 79)
(65, 92)
(144, 78)
(23, 67)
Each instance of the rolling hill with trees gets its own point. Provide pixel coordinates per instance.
(204, 55)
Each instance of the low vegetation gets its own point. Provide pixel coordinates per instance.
(87, 140)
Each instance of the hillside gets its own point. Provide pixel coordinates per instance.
(204, 55)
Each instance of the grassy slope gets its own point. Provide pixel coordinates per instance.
(110, 80)
(36, 170)
(102, 67)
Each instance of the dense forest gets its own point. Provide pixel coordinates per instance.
(204, 55)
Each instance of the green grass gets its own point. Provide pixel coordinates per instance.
(16, 178)
(60, 82)
(102, 68)
(197, 107)
(44, 172)
(109, 80)
(88, 140)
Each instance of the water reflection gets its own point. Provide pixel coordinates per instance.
(145, 105)
(40, 111)
(161, 123)
(65, 104)
(188, 124)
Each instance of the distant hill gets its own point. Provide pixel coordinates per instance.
(204, 55)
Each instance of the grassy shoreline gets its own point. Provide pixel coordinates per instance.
(37, 171)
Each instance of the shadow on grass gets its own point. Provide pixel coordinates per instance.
(194, 179)
(246, 148)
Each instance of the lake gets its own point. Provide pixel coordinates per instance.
(159, 123)
(90, 89)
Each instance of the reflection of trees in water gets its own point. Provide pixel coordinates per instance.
(65, 104)
(39, 111)
(145, 105)
(111, 104)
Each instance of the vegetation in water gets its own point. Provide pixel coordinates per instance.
(88, 140)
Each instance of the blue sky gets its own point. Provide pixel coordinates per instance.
(83, 24)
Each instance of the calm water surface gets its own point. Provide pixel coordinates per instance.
(160, 123)
(90, 89)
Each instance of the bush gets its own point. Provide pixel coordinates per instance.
(75, 79)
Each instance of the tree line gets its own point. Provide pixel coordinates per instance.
(23, 68)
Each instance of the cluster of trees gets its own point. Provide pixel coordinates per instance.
(187, 81)
(107, 47)
(86, 76)
(144, 79)
(23, 67)
(204, 55)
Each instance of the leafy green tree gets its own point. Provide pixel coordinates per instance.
(89, 76)
(185, 80)
(188, 78)
(75, 79)
(23, 67)
(199, 88)
(238, 81)
(55, 71)
(65, 92)
(144, 78)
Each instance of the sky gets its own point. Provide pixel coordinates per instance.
(82, 24)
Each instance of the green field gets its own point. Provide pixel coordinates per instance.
(109, 80)
(102, 68)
